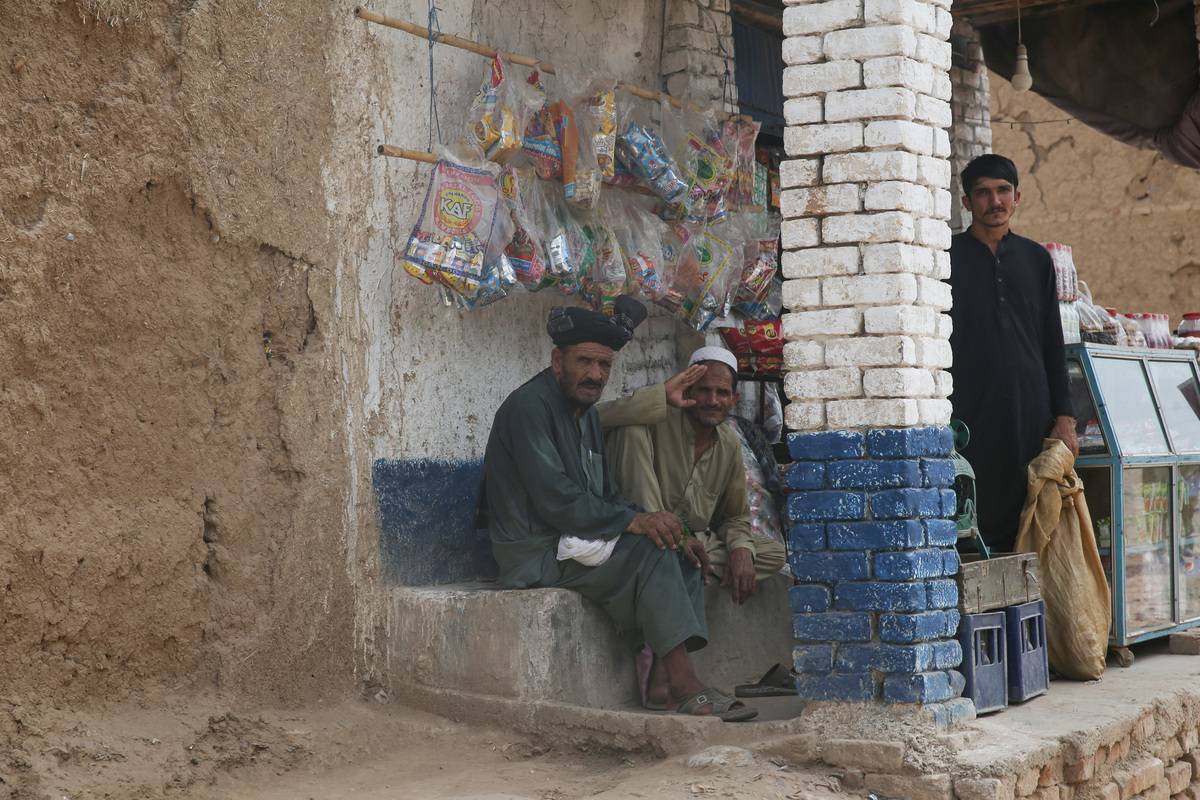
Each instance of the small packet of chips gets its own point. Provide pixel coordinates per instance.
(500, 113)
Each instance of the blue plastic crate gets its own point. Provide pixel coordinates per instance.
(984, 645)
(1028, 662)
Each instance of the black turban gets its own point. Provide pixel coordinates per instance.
(574, 325)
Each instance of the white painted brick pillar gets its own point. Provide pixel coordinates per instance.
(865, 203)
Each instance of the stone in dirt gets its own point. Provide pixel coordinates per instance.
(721, 756)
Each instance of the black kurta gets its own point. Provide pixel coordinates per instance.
(1010, 376)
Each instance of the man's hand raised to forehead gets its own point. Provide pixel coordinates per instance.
(677, 386)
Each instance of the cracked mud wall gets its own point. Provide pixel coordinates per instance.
(1129, 216)
(173, 459)
(204, 345)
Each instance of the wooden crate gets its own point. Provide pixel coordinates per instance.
(1003, 580)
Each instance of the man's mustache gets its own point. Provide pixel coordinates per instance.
(591, 385)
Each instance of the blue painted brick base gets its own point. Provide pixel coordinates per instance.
(849, 686)
(872, 546)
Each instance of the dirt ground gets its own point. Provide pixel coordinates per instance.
(204, 749)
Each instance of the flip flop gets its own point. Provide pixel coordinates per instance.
(777, 682)
(725, 708)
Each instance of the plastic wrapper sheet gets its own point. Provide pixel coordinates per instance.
(568, 252)
(460, 237)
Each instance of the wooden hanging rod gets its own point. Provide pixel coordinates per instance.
(517, 58)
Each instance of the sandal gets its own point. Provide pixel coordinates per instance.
(725, 708)
(777, 682)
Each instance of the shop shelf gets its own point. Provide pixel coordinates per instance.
(1028, 664)
(983, 640)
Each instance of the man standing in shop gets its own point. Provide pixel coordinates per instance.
(1010, 375)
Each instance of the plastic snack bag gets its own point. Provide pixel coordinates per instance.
(526, 250)
(695, 141)
(760, 257)
(500, 112)
(450, 242)
(640, 234)
(641, 150)
(540, 143)
(599, 105)
(757, 345)
(605, 278)
(569, 253)
(742, 135)
(706, 274)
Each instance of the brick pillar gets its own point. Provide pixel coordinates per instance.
(865, 234)
(697, 50)
(970, 108)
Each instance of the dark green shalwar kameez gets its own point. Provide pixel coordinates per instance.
(546, 476)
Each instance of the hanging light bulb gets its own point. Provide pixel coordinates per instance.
(1022, 81)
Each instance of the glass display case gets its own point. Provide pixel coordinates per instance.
(1138, 417)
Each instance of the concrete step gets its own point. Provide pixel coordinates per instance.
(553, 645)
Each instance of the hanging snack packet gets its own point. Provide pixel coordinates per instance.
(581, 182)
(450, 241)
(500, 112)
(758, 347)
(642, 151)
(569, 254)
(706, 275)
(606, 277)
(601, 106)
(526, 251)
(695, 140)
(540, 143)
(742, 135)
(640, 235)
(760, 256)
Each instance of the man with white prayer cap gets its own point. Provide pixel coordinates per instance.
(684, 460)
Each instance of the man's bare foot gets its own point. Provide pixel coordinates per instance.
(658, 689)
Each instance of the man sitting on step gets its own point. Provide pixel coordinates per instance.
(555, 519)
(686, 460)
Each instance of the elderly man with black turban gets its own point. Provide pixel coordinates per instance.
(555, 519)
(1010, 374)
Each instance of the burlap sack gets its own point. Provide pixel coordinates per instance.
(1056, 525)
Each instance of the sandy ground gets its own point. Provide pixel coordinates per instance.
(208, 750)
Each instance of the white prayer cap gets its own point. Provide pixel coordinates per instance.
(715, 354)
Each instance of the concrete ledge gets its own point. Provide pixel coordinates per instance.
(552, 645)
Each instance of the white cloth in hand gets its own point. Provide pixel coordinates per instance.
(589, 552)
